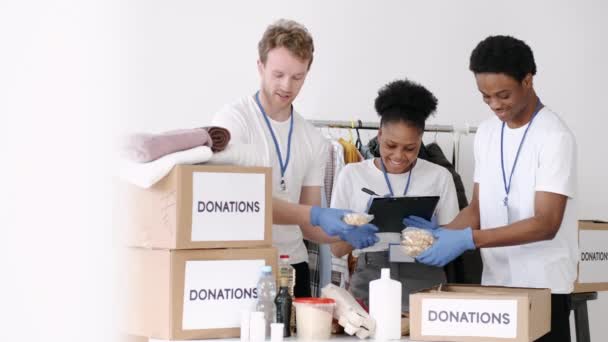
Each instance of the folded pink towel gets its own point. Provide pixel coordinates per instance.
(146, 147)
(220, 137)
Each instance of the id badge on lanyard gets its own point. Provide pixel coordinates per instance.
(282, 163)
(282, 194)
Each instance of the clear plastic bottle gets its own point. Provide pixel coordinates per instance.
(287, 271)
(266, 294)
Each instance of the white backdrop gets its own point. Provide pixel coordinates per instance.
(76, 73)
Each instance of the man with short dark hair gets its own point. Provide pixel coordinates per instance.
(522, 214)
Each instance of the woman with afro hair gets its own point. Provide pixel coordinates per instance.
(403, 107)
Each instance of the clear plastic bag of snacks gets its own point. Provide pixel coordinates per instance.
(357, 219)
(415, 241)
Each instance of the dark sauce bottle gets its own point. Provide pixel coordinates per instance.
(283, 302)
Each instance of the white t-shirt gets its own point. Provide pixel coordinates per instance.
(306, 165)
(547, 162)
(427, 179)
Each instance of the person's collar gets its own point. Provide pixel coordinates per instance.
(527, 114)
(276, 116)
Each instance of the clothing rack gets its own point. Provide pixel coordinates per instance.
(466, 130)
(375, 125)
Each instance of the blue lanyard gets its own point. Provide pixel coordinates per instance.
(539, 106)
(282, 164)
(388, 182)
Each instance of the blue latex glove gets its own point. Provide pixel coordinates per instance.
(330, 220)
(448, 245)
(361, 237)
(419, 222)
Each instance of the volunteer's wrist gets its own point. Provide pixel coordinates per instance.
(315, 212)
(476, 237)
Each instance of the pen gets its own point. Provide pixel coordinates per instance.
(368, 191)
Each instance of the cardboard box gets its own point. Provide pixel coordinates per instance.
(480, 313)
(192, 294)
(593, 263)
(198, 206)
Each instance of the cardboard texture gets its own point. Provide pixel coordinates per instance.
(593, 262)
(530, 319)
(163, 216)
(131, 338)
(165, 291)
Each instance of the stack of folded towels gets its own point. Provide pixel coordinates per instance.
(147, 157)
(147, 147)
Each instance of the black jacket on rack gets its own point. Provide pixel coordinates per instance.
(467, 268)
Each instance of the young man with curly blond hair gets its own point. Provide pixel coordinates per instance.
(297, 151)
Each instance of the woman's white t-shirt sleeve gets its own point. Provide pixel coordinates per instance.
(557, 165)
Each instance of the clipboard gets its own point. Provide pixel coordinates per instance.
(389, 212)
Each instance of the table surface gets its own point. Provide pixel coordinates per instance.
(341, 338)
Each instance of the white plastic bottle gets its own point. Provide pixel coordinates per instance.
(267, 291)
(385, 306)
(245, 320)
(257, 327)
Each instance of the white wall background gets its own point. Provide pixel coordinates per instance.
(59, 90)
(68, 68)
(189, 58)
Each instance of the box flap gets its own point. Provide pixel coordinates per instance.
(484, 290)
(592, 224)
